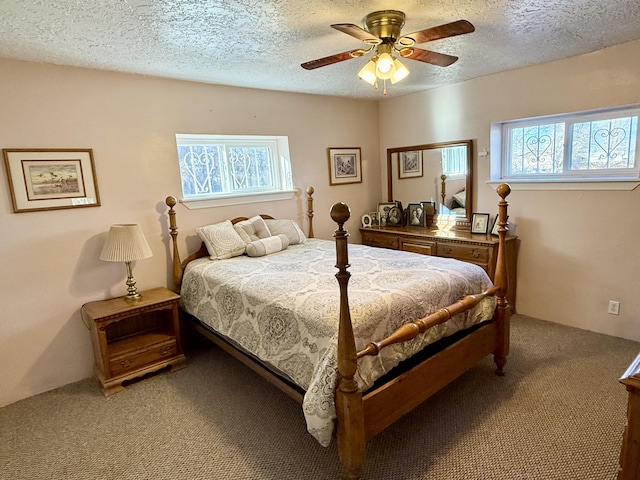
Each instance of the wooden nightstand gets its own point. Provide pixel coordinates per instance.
(134, 337)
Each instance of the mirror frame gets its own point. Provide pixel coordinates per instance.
(432, 146)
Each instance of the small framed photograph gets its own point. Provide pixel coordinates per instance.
(415, 215)
(374, 219)
(494, 229)
(345, 166)
(410, 164)
(383, 212)
(51, 179)
(480, 223)
(366, 220)
(394, 218)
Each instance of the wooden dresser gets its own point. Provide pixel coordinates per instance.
(479, 249)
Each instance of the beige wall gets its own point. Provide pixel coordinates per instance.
(579, 249)
(50, 259)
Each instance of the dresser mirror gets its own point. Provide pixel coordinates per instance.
(435, 172)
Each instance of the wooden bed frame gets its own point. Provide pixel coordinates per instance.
(360, 415)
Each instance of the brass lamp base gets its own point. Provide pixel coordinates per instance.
(132, 291)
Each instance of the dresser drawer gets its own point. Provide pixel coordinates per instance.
(374, 239)
(143, 358)
(418, 246)
(470, 253)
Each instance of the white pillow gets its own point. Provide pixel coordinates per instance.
(289, 228)
(222, 240)
(253, 229)
(268, 245)
(461, 198)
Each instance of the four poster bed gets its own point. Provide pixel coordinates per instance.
(358, 360)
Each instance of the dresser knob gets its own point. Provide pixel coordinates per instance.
(165, 351)
(475, 253)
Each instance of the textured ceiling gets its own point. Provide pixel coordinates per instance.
(261, 44)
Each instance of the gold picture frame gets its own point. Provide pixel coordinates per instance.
(51, 179)
(345, 166)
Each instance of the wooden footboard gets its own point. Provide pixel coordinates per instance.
(358, 417)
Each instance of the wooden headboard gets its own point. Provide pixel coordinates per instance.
(179, 266)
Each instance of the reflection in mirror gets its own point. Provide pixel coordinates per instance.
(437, 172)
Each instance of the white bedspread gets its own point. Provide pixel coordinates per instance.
(283, 308)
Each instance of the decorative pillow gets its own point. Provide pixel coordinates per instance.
(221, 240)
(461, 198)
(268, 245)
(253, 229)
(289, 228)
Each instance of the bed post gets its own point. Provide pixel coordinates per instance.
(349, 409)
(173, 230)
(310, 191)
(501, 280)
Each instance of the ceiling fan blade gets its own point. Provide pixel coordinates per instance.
(427, 56)
(331, 59)
(357, 32)
(452, 29)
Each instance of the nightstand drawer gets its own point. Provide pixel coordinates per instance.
(143, 358)
(380, 240)
(471, 253)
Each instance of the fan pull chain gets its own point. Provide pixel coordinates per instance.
(384, 86)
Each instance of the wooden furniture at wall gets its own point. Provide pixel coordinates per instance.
(134, 337)
(479, 249)
(630, 453)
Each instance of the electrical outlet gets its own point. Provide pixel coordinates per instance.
(614, 307)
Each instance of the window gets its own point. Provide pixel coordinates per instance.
(223, 170)
(585, 146)
(454, 161)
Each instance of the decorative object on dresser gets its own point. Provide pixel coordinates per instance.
(51, 179)
(133, 338)
(126, 243)
(479, 249)
(345, 166)
(480, 223)
(415, 215)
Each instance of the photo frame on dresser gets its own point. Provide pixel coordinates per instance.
(480, 223)
(415, 215)
(383, 212)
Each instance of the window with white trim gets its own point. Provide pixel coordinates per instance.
(225, 167)
(583, 146)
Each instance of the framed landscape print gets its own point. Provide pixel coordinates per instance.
(410, 164)
(345, 166)
(51, 179)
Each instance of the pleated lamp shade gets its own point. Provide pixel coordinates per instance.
(125, 243)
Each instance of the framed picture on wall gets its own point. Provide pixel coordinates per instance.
(410, 164)
(345, 166)
(51, 179)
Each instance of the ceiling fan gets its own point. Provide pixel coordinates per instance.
(383, 32)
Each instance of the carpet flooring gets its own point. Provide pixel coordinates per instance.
(559, 413)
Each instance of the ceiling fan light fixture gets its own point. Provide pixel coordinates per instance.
(368, 72)
(385, 67)
(400, 73)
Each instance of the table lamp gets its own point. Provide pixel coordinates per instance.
(126, 243)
